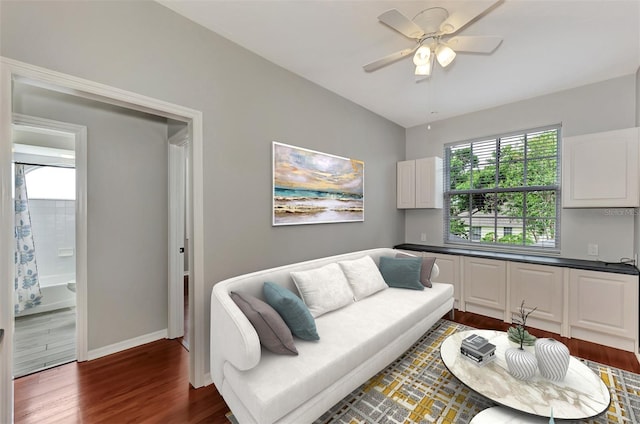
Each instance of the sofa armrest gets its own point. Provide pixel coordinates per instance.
(233, 338)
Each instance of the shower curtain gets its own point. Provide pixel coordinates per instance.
(27, 285)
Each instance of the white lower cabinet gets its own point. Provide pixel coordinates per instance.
(485, 285)
(449, 267)
(603, 308)
(600, 307)
(540, 287)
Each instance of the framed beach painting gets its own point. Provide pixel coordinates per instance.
(310, 187)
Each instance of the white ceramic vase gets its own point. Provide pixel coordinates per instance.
(522, 364)
(553, 359)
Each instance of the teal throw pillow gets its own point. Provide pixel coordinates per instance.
(401, 273)
(292, 310)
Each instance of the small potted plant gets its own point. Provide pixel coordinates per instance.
(522, 364)
(519, 334)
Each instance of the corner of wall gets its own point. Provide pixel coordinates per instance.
(638, 97)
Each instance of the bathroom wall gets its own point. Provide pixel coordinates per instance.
(54, 234)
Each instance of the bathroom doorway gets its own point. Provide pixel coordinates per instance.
(46, 330)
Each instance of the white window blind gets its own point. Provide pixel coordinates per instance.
(504, 190)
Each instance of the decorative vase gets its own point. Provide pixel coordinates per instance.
(553, 359)
(521, 363)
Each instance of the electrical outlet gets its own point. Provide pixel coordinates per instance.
(423, 237)
(592, 249)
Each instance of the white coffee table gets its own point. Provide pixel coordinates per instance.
(502, 415)
(581, 394)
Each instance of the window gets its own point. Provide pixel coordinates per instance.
(504, 191)
(49, 182)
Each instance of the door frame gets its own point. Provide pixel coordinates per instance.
(80, 134)
(11, 70)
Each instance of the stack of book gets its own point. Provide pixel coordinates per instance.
(478, 349)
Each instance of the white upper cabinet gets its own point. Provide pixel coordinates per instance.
(420, 183)
(601, 170)
(406, 191)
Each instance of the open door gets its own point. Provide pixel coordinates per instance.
(178, 145)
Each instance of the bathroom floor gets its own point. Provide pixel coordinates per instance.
(44, 340)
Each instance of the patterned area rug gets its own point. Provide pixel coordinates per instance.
(418, 388)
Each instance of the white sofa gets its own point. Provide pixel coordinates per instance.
(356, 342)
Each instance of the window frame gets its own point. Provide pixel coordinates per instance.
(496, 189)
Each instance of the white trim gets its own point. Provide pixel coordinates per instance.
(7, 247)
(207, 379)
(80, 134)
(127, 344)
(11, 69)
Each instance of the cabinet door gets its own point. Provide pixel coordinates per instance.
(406, 184)
(601, 170)
(485, 285)
(429, 183)
(541, 287)
(449, 272)
(603, 307)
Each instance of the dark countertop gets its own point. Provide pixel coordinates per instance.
(615, 267)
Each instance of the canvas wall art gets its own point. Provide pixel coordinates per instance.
(310, 187)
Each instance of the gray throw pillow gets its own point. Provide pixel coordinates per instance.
(292, 310)
(401, 272)
(425, 270)
(272, 331)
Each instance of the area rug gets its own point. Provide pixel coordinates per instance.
(418, 389)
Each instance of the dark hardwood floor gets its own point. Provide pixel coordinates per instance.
(149, 384)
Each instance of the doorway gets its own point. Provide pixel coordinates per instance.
(52, 157)
(45, 193)
(14, 70)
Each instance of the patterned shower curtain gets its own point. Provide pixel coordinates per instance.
(27, 285)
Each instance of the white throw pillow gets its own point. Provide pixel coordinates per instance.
(323, 289)
(364, 277)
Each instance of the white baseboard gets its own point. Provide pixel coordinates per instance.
(207, 379)
(126, 344)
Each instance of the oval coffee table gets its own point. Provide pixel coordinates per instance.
(581, 394)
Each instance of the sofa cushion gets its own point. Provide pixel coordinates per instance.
(279, 384)
(402, 272)
(272, 331)
(323, 289)
(364, 277)
(425, 269)
(292, 310)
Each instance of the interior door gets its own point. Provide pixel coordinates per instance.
(177, 199)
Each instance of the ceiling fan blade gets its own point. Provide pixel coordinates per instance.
(460, 18)
(474, 44)
(389, 59)
(405, 26)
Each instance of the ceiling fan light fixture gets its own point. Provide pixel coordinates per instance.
(445, 55)
(422, 56)
(423, 70)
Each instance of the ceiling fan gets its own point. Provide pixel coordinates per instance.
(432, 30)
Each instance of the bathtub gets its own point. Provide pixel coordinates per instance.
(58, 292)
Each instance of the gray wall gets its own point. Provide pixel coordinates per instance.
(247, 103)
(597, 107)
(126, 212)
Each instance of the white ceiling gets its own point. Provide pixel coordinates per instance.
(548, 46)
